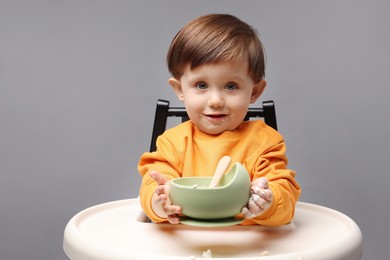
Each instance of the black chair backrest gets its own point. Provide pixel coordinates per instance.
(163, 111)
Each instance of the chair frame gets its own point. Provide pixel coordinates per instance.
(163, 111)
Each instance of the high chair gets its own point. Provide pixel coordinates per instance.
(119, 230)
(164, 111)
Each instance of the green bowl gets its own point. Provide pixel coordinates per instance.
(199, 201)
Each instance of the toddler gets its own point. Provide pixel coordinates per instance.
(217, 67)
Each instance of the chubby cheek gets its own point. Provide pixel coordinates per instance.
(240, 111)
(193, 108)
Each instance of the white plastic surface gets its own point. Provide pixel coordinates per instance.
(118, 230)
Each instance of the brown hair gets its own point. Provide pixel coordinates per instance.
(216, 38)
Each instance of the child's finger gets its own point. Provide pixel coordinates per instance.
(172, 209)
(174, 219)
(160, 190)
(261, 182)
(260, 202)
(263, 193)
(158, 177)
(253, 207)
(268, 195)
(247, 213)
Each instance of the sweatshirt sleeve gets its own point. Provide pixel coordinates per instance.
(164, 160)
(272, 164)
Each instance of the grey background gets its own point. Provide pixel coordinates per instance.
(79, 81)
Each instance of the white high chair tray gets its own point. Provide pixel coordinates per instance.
(119, 230)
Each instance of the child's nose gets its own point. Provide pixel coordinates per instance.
(216, 99)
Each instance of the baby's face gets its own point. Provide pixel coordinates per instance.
(217, 96)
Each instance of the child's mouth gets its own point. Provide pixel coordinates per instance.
(216, 116)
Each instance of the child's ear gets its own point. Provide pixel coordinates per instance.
(258, 89)
(176, 85)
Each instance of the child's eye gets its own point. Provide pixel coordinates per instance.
(201, 85)
(231, 86)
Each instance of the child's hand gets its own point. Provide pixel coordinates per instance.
(161, 202)
(260, 199)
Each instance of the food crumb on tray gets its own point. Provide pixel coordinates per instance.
(207, 254)
(264, 253)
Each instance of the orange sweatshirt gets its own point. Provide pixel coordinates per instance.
(186, 151)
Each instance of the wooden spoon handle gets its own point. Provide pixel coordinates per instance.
(222, 166)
